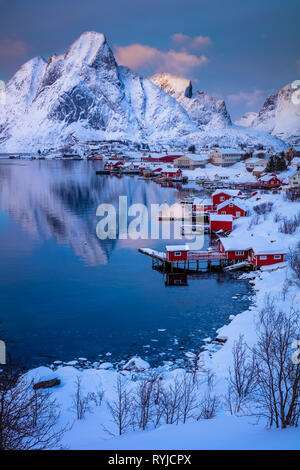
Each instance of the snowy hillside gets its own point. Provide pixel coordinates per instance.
(279, 116)
(84, 93)
(247, 119)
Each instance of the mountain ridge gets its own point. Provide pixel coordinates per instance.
(85, 93)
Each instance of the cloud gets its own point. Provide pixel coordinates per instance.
(139, 56)
(189, 42)
(10, 50)
(247, 98)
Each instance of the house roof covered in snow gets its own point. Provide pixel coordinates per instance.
(221, 217)
(237, 202)
(203, 201)
(229, 151)
(230, 192)
(177, 247)
(259, 244)
(268, 177)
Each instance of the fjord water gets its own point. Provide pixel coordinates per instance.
(65, 294)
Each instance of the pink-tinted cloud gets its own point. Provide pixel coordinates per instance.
(11, 50)
(139, 56)
(249, 99)
(189, 42)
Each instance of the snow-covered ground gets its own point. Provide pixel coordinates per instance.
(224, 431)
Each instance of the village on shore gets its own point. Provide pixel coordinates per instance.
(248, 203)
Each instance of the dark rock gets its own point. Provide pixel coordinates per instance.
(221, 339)
(47, 384)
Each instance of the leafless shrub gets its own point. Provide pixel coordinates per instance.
(121, 408)
(190, 399)
(96, 397)
(144, 401)
(242, 377)
(171, 398)
(289, 226)
(28, 418)
(255, 220)
(277, 217)
(292, 195)
(277, 390)
(81, 402)
(208, 406)
(264, 208)
(295, 262)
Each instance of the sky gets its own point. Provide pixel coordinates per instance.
(235, 50)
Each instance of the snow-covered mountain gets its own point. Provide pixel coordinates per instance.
(247, 119)
(86, 94)
(279, 116)
(207, 112)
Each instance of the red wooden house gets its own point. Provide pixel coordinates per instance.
(177, 252)
(257, 250)
(202, 205)
(235, 249)
(221, 195)
(235, 207)
(270, 181)
(164, 159)
(172, 174)
(219, 222)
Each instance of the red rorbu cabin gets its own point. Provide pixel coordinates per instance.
(265, 257)
(202, 205)
(255, 249)
(219, 222)
(171, 174)
(177, 252)
(270, 181)
(235, 207)
(221, 195)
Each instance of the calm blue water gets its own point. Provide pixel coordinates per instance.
(65, 294)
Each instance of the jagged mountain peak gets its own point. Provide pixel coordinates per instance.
(203, 109)
(174, 85)
(89, 48)
(280, 116)
(84, 93)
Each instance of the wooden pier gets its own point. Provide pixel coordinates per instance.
(197, 261)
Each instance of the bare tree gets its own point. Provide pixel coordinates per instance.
(190, 400)
(144, 401)
(121, 408)
(242, 377)
(28, 418)
(81, 402)
(171, 399)
(278, 377)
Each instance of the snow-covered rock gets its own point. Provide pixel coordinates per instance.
(136, 364)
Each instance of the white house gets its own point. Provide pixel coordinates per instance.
(225, 156)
